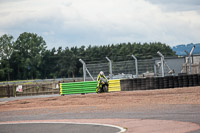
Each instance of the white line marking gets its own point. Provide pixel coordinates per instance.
(122, 130)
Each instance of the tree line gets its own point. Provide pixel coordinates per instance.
(29, 58)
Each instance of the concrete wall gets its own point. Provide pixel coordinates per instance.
(195, 59)
(195, 68)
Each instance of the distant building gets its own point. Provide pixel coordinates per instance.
(174, 63)
(195, 66)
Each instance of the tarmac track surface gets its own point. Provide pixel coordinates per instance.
(165, 118)
(58, 127)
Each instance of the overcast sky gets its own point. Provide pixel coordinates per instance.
(70, 23)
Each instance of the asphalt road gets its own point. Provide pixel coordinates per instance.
(56, 128)
(185, 113)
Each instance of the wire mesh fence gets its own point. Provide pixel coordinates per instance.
(94, 69)
(121, 68)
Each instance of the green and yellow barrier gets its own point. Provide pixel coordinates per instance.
(78, 87)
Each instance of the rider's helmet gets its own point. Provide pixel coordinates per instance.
(101, 73)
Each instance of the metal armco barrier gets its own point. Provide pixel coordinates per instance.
(114, 85)
(78, 87)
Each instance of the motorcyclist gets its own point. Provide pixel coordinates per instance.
(101, 75)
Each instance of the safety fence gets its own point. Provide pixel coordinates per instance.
(78, 87)
(86, 87)
(28, 89)
(72, 87)
(34, 87)
(148, 83)
(151, 83)
(121, 67)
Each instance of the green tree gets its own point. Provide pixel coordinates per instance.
(30, 48)
(6, 50)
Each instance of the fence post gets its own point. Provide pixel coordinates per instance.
(190, 61)
(136, 65)
(162, 63)
(110, 66)
(8, 90)
(84, 70)
(14, 90)
(155, 71)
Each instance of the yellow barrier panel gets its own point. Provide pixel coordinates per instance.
(114, 85)
(60, 88)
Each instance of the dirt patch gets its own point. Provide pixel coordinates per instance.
(24, 102)
(108, 101)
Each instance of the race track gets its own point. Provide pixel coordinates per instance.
(178, 112)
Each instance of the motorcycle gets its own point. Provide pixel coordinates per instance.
(103, 85)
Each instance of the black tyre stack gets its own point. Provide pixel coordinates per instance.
(171, 81)
(161, 82)
(191, 80)
(156, 83)
(185, 81)
(130, 85)
(199, 79)
(138, 83)
(123, 84)
(175, 78)
(134, 84)
(151, 81)
(166, 82)
(180, 80)
(143, 83)
(147, 84)
(195, 80)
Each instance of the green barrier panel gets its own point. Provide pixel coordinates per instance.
(78, 87)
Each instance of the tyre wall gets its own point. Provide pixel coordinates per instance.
(151, 83)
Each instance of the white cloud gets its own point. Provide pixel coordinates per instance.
(77, 22)
(177, 5)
